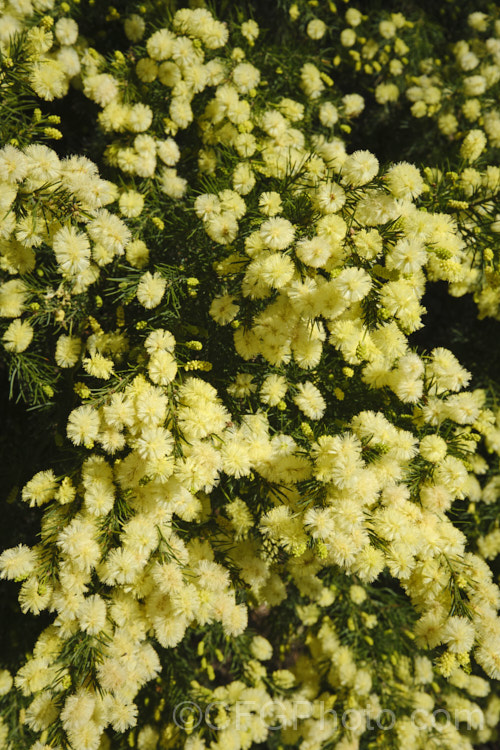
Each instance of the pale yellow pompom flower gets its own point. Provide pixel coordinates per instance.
(151, 289)
(72, 251)
(131, 204)
(473, 145)
(359, 168)
(162, 367)
(273, 389)
(68, 350)
(83, 425)
(309, 400)
(18, 336)
(223, 309)
(17, 563)
(48, 79)
(98, 366)
(316, 29)
(250, 30)
(277, 233)
(459, 634)
(159, 340)
(92, 614)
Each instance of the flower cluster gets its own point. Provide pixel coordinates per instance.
(275, 512)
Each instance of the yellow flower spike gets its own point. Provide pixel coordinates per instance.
(140, 325)
(281, 405)
(47, 21)
(347, 129)
(339, 394)
(351, 625)
(235, 324)
(332, 6)
(159, 224)
(245, 127)
(368, 69)
(131, 739)
(369, 640)
(169, 731)
(201, 648)
(95, 325)
(348, 372)
(306, 429)
(210, 673)
(463, 658)
(53, 133)
(377, 66)
(113, 14)
(394, 659)
(219, 654)
(279, 70)
(446, 664)
(37, 115)
(321, 549)
(169, 126)
(82, 390)
(337, 60)
(462, 205)
(189, 724)
(54, 119)
(326, 79)
(120, 316)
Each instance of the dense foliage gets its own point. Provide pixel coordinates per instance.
(249, 313)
